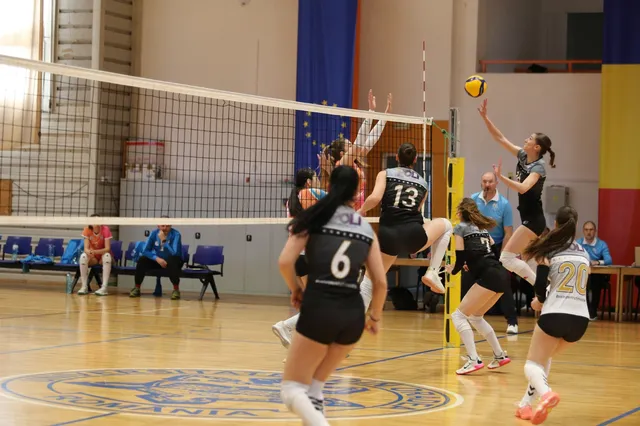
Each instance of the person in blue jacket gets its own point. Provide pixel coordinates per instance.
(162, 250)
(599, 254)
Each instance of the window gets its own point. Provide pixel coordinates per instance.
(390, 162)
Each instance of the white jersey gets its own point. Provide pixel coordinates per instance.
(568, 274)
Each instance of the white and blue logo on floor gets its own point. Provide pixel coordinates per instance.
(205, 393)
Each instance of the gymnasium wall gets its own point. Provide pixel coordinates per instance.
(564, 106)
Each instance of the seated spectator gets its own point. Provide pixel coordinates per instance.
(598, 252)
(163, 249)
(97, 250)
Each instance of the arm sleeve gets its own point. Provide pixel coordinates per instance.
(363, 132)
(606, 256)
(106, 232)
(507, 216)
(539, 169)
(461, 258)
(148, 247)
(542, 281)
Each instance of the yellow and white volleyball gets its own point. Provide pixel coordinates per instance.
(475, 86)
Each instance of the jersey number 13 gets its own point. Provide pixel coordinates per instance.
(409, 200)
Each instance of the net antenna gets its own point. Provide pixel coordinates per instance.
(427, 122)
(133, 149)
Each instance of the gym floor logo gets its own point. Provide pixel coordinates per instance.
(218, 394)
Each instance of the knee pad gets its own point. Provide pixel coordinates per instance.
(106, 259)
(290, 390)
(460, 321)
(84, 259)
(508, 260)
(480, 324)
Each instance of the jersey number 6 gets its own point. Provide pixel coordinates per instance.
(411, 192)
(341, 264)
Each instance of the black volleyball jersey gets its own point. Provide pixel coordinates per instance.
(477, 245)
(531, 201)
(337, 253)
(403, 195)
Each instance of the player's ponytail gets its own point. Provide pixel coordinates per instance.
(469, 211)
(544, 142)
(302, 176)
(343, 187)
(558, 239)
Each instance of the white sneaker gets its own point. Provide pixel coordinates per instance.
(470, 366)
(283, 333)
(512, 329)
(102, 291)
(83, 290)
(432, 280)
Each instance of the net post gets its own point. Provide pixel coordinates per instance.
(455, 193)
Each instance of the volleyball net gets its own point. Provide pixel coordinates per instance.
(76, 142)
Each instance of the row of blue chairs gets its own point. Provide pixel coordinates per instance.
(199, 267)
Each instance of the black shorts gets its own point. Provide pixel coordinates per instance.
(302, 267)
(327, 320)
(569, 327)
(494, 277)
(535, 222)
(406, 238)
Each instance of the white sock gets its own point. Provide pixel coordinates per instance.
(537, 377)
(366, 290)
(315, 390)
(439, 246)
(531, 393)
(485, 329)
(84, 270)
(294, 396)
(529, 396)
(291, 322)
(461, 324)
(106, 269)
(517, 266)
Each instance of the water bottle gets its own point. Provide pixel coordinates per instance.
(14, 252)
(51, 252)
(133, 257)
(69, 287)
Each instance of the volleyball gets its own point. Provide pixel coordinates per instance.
(475, 86)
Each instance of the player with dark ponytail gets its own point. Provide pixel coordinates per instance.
(473, 248)
(530, 175)
(338, 242)
(561, 296)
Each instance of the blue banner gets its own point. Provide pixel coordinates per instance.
(326, 51)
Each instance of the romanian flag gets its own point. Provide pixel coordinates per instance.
(326, 74)
(619, 188)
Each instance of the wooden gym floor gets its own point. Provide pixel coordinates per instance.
(116, 361)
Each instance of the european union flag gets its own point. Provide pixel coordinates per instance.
(326, 51)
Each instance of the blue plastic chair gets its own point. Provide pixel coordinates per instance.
(24, 248)
(42, 248)
(204, 258)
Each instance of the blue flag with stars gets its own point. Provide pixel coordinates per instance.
(326, 52)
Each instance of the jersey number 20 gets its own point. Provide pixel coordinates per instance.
(341, 264)
(573, 279)
(412, 194)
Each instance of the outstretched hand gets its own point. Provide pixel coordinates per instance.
(372, 101)
(497, 169)
(389, 102)
(483, 109)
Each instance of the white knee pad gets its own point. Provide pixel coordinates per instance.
(480, 324)
(290, 390)
(106, 259)
(507, 258)
(460, 321)
(84, 259)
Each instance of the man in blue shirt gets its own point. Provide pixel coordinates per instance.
(493, 205)
(162, 250)
(599, 254)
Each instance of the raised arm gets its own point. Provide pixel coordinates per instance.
(377, 193)
(519, 187)
(496, 134)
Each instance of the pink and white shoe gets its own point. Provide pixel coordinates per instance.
(470, 366)
(524, 413)
(499, 361)
(548, 401)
